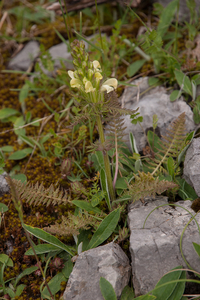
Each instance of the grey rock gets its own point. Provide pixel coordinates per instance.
(154, 101)
(107, 261)
(155, 250)
(184, 13)
(59, 53)
(25, 57)
(4, 187)
(191, 170)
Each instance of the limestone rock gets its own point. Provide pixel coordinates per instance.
(184, 13)
(25, 57)
(155, 250)
(59, 53)
(107, 261)
(154, 101)
(4, 187)
(191, 171)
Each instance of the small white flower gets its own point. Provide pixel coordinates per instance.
(109, 85)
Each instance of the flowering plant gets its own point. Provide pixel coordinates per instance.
(89, 81)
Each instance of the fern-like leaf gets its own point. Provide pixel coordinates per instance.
(113, 106)
(146, 185)
(38, 194)
(170, 145)
(153, 42)
(71, 224)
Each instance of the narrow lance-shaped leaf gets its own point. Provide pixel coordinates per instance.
(105, 229)
(47, 237)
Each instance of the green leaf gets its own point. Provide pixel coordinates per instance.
(179, 290)
(20, 289)
(127, 293)
(96, 198)
(54, 285)
(10, 292)
(23, 94)
(20, 154)
(18, 123)
(27, 271)
(3, 208)
(5, 259)
(166, 17)
(98, 160)
(134, 67)
(105, 229)
(189, 139)
(197, 248)
(183, 81)
(186, 191)
(42, 248)
(146, 297)
(172, 290)
(21, 177)
(154, 141)
(107, 289)
(153, 81)
(170, 166)
(66, 271)
(175, 95)
(36, 124)
(47, 237)
(7, 148)
(7, 112)
(104, 186)
(31, 142)
(121, 183)
(87, 206)
(196, 116)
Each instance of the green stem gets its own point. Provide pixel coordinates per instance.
(106, 160)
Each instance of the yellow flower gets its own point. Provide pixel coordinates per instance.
(96, 65)
(98, 76)
(88, 87)
(74, 81)
(109, 85)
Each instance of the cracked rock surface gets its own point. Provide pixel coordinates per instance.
(150, 102)
(191, 171)
(4, 187)
(155, 249)
(107, 261)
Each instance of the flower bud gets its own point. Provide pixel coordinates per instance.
(66, 167)
(57, 264)
(84, 64)
(90, 73)
(75, 62)
(80, 72)
(77, 188)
